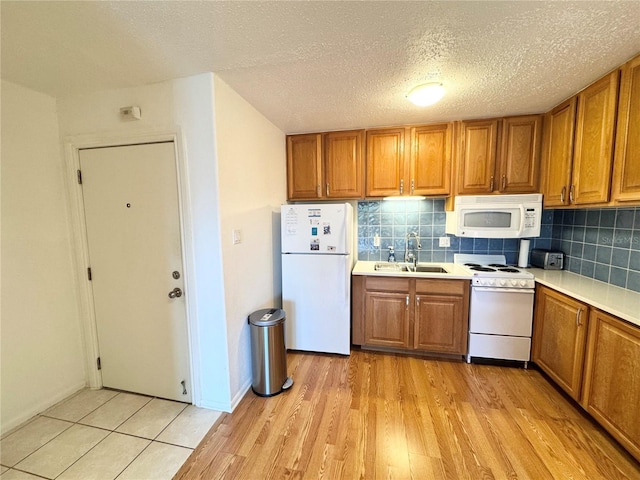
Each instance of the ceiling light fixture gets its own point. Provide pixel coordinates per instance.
(426, 94)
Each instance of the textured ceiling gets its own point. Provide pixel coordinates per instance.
(314, 66)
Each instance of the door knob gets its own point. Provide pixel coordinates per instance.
(176, 292)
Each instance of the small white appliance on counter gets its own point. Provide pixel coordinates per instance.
(317, 258)
(500, 310)
(496, 216)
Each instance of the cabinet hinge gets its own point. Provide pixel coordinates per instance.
(89, 273)
(99, 364)
(79, 177)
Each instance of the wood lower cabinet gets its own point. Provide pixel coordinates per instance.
(612, 378)
(441, 316)
(325, 166)
(626, 167)
(428, 315)
(560, 329)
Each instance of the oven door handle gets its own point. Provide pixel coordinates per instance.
(529, 291)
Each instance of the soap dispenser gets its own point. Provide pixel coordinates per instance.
(392, 255)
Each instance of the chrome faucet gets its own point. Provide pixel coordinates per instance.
(411, 243)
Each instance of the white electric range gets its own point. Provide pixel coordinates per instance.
(501, 309)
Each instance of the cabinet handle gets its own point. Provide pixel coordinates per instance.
(401, 187)
(417, 301)
(327, 189)
(563, 193)
(571, 194)
(318, 190)
(412, 186)
(578, 315)
(491, 184)
(407, 301)
(504, 182)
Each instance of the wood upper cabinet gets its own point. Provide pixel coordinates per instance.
(477, 156)
(441, 317)
(409, 161)
(560, 325)
(593, 149)
(430, 165)
(557, 157)
(519, 157)
(626, 166)
(385, 162)
(499, 155)
(430, 315)
(304, 166)
(612, 378)
(325, 166)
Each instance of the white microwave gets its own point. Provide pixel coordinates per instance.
(496, 216)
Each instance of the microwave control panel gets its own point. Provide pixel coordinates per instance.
(530, 215)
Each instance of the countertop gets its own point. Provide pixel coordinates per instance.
(455, 271)
(617, 301)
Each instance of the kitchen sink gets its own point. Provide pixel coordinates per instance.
(400, 267)
(430, 269)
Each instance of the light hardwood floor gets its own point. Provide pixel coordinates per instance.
(374, 415)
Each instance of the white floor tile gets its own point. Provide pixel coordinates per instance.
(80, 405)
(57, 455)
(28, 439)
(158, 462)
(116, 411)
(16, 475)
(189, 427)
(107, 459)
(151, 419)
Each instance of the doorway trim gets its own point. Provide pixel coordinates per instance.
(72, 147)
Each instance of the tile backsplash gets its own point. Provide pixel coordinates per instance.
(598, 243)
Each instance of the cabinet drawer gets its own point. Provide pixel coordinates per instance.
(388, 284)
(444, 287)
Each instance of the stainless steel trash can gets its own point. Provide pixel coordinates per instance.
(268, 352)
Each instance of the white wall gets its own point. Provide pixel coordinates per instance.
(42, 359)
(252, 174)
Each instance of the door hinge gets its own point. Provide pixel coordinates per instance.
(89, 273)
(79, 177)
(99, 364)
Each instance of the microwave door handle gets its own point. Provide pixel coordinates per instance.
(521, 220)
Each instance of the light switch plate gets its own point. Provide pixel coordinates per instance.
(444, 242)
(237, 236)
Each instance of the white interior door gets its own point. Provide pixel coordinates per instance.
(133, 233)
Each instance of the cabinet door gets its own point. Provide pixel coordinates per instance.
(612, 378)
(439, 324)
(559, 338)
(626, 172)
(520, 154)
(386, 319)
(430, 171)
(304, 167)
(593, 151)
(557, 156)
(385, 162)
(343, 166)
(477, 156)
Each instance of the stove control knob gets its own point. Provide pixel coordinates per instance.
(491, 281)
(514, 282)
(503, 282)
(523, 283)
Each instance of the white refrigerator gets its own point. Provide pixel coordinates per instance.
(317, 257)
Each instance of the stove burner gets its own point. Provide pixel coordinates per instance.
(472, 265)
(482, 269)
(497, 265)
(509, 270)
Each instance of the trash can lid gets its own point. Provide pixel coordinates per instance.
(267, 317)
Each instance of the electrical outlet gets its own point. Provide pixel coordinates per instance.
(444, 242)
